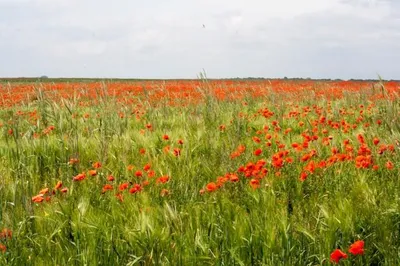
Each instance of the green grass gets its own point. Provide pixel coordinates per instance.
(284, 222)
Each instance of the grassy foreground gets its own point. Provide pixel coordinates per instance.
(272, 180)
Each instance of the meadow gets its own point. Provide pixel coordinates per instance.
(199, 172)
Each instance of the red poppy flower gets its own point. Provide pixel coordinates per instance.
(163, 179)
(254, 183)
(357, 248)
(92, 172)
(58, 185)
(151, 173)
(107, 188)
(44, 191)
(389, 165)
(233, 178)
(303, 176)
(96, 165)
(257, 152)
(211, 187)
(38, 198)
(147, 167)
(79, 177)
(5, 234)
(123, 186)
(177, 152)
(138, 173)
(120, 197)
(135, 188)
(337, 255)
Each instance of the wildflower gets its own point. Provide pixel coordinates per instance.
(147, 167)
(135, 188)
(180, 142)
(257, 152)
(123, 186)
(241, 148)
(254, 183)
(107, 188)
(361, 139)
(110, 178)
(357, 248)
(163, 179)
(44, 191)
(166, 149)
(211, 187)
(337, 255)
(79, 177)
(38, 198)
(277, 162)
(389, 165)
(92, 172)
(375, 141)
(5, 234)
(363, 161)
(3, 248)
(120, 197)
(142, 151)
(177, 152)
(64, 190)
(233, 178)
(165, 137)
(151, 173)
(303, 176)
(138, 173)
(48, 130)
(96, 165)
(58, 185)
(235, 154)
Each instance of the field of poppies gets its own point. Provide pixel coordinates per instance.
(199, 172)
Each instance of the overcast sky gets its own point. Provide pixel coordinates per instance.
(178, 38)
